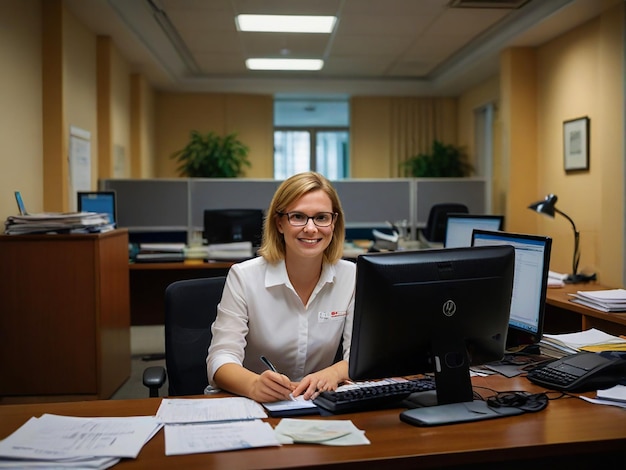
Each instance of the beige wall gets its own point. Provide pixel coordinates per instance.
(249, 116)
(484, 94)
(21, 133)
(582, 74)
(385, 131)
(79, 88)
(142, 128)
(578, 74)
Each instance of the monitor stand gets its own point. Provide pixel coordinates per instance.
(454, 401)
(452, 376)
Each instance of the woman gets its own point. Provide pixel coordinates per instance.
(292, 304)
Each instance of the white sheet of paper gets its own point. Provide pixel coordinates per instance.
(204, 410)
(215, 437)
(331, 432)
(57, 437)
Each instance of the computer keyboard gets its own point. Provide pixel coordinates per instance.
(363, 396)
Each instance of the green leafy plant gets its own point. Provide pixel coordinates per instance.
(443, 161)
(212, 156)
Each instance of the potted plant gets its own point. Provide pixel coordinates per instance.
(212, 156)
(443, 161)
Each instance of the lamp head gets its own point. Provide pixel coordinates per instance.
(546, 206)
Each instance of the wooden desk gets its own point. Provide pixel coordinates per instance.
(563, 316)
(149, 280)
(569, 433)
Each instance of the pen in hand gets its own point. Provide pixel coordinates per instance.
(271, 367)
(269, 364)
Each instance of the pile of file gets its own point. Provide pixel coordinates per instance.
(58, 222)
(160, 252)
(609, 300)
(591, 340)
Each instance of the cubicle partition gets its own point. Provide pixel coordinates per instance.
(173, 208)
(468, 191)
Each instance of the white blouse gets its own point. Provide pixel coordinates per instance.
(260, 313)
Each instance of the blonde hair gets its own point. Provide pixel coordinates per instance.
(290, 190)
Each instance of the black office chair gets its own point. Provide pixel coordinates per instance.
(435, 230)
(190, 309)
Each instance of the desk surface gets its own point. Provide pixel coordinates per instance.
(569, 428)
(559, 297)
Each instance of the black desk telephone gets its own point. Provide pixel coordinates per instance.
(581, 372)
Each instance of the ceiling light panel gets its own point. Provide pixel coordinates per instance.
(286, 23)
(284, 64)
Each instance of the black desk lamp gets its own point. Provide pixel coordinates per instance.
(547, 207)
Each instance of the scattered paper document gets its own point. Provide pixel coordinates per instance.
(215, 437)
(320, 431)
(614, 396)
(57, 438)
(203, 410)
(616, 393)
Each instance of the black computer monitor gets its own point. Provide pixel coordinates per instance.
(98, 201)
(459, 227)
(438, 310)
(532, 261)
(233, 225)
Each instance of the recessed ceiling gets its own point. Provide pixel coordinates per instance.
(380, 47)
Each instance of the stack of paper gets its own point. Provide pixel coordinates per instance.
(230, 251)
(53, 222)
(53, 441)
(160, 252)
(589, 340)
(610, 300)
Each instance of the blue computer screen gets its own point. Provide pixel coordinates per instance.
(98, 201)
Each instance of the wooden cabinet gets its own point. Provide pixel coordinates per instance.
(64, 316)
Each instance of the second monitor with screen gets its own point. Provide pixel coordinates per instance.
(532, 260)
(459, 227)
(98, 201)
(233, 225)
(431, 310)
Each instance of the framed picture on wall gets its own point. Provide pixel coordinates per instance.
(576, 144)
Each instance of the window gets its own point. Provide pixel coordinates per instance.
(311, 135)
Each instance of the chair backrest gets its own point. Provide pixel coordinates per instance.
(190, 309)
(435, 230)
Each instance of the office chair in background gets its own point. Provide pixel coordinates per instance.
(190, 309)
(435, 230)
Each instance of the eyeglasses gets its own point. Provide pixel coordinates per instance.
(298, 219)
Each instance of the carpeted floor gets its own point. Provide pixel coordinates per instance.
(144, 341)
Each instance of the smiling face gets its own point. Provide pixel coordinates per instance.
(307, 241)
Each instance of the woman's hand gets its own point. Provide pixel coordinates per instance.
(271, 386)
(321, 381)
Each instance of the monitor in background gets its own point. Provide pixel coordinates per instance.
(532, 259)
(98, 201)
(233, 225)
(438, 310)
(459, 227)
